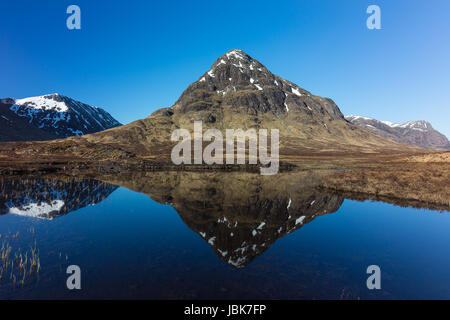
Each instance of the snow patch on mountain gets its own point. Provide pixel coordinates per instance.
(43, 103)
(419, 125)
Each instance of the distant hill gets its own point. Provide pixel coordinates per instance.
(50, 117)
(417, 133)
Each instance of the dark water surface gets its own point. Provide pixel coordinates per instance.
(213, 236)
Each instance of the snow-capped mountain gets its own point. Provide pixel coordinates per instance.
(238, 80)
(418, 133)
(49, 117)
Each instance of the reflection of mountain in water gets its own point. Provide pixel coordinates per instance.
(48, 198)
(240, 232)
(240, 215)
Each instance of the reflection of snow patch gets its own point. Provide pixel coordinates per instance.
(299, 220)
(38, 210)
(237, 263)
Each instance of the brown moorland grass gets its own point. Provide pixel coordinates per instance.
(423, 178)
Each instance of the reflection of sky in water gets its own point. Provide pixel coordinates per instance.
(129, 246)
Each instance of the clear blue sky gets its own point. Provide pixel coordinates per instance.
(133, 57)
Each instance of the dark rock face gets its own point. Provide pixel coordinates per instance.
(16, 128)
(238, 81)
(417, 133)
(47, 198)
(50, 117)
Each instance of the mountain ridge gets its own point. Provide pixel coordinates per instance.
(50, 117)
(418, 133)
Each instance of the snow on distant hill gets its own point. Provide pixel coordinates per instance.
(418, 133)
(49, 117)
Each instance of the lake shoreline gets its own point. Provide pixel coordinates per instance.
(421, 178)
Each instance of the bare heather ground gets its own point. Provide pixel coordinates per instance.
(423, 178)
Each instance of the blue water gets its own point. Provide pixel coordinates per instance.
(129, 246)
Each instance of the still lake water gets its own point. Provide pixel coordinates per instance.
(201, 242)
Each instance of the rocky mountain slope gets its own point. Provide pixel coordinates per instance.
(50, 117)
(237, 92)
(418, 133)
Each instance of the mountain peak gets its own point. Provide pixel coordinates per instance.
(234, 59)
(418, 133)
(241, 82)
(415, 124)
(46, 102)
(237, 53)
